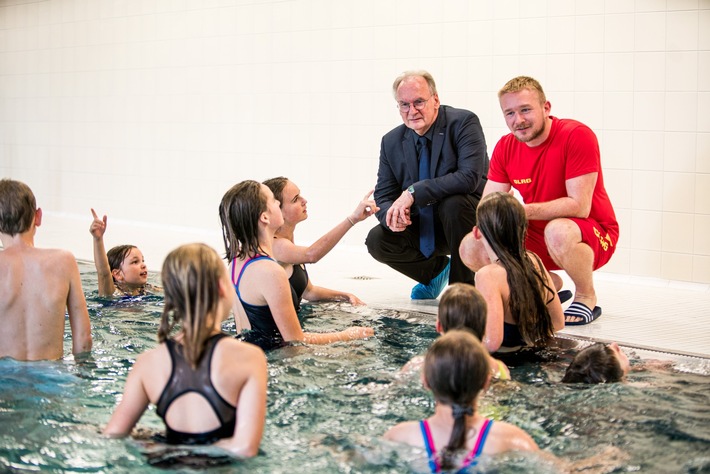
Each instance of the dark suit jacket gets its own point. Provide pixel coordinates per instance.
(459, 162)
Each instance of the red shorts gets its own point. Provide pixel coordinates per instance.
(602, 243)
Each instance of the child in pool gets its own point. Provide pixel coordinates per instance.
(208, 387)
(37, 285)
(121, 271)
(267, 303)
(294, 257)
(523, 308)
(462, 307)
(598, 363)
(457, 371)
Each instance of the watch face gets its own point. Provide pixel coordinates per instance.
(410, 189)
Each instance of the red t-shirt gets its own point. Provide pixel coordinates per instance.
(539, 173)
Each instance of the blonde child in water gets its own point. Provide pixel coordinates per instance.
(462, 307)
(121, 271)
(208, 387)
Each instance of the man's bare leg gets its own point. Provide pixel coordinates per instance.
(564, 242)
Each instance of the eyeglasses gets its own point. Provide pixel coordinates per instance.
(418, 104)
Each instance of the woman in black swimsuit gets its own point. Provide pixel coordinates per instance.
(294, 257)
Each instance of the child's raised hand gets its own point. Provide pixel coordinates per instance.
(98, 226)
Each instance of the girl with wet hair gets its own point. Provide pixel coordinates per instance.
(295, 257)
(265, 310)
(208, 387)
(121, 271)
(598, 363)
(456, 370)
(523, 308)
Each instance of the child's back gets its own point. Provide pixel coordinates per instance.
(37, 286)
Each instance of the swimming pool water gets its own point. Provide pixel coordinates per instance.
(329, 405)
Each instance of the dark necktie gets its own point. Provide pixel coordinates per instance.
(426, 213)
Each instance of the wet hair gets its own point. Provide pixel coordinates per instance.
(277, 185)
(523, 82)
(462, 307)
(594, 364)
(117, 255)
(501, 219)
(17, 207)
(407, 74)
(191, 275)
(456, 369)
(239, 212)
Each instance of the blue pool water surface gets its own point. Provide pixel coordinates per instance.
(329, 405)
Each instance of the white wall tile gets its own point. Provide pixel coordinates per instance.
(560, 73)
(645, 263)
(619, 6)
(533, 36)
(618, 72)
(587, 37)
(704, 30)
(679, 192)
(701, 231)
(651, 6)
(618, 110)
(650, 31)
(682, 71)
(647, 190)
(682, 30)
(589, 72)
(616, 149)
(649, 72)
(677, 266)
(533, 9)
(560, 7)
(617, 183)
(679, 151)
(701, 268)
(619, 263)
(583, 7)
(682, 5)
(588, 109)
(702, 104)
(681, 111)
(703, 71)
(649, 110)
(506, 37)
(559, 27)
(702, 157)
(618, 33)
(702, 194)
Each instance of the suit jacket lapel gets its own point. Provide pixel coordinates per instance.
(437, 141)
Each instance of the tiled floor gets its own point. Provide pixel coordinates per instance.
(642, 313)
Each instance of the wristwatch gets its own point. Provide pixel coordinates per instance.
(410, 190)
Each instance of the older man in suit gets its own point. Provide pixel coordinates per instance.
(431, 175)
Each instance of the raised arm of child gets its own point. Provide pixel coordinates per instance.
(103, 269)
(287, 252)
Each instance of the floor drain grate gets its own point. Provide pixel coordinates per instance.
(363, 277)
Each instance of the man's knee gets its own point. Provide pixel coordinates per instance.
(458, 205)
(560, 234)
(373, 242)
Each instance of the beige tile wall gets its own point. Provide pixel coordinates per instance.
(148, 110)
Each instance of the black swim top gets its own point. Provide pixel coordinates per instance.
(299, 281)
(512, 336)
(184, 379)
(264, 331)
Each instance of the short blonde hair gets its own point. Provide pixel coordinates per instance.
(519, 83)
